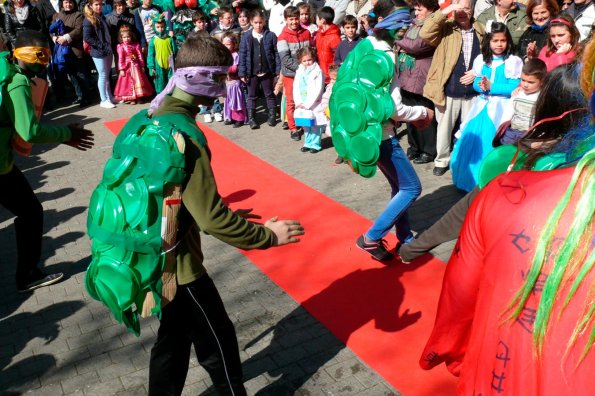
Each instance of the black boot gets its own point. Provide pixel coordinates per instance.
(252, 120)
(272, 120)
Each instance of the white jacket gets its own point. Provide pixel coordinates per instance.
(312, 98)
(276, 20)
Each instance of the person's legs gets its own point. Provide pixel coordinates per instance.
(18, 198)
(447, 228)
(413, 136)
(108, 72)
(214, 337)
(447, 116)
(80, 80)
(312, 138)
(268, 87)
(289, 103)
(104, 67)
(405, 186)
(101, 76)
(168, 365)
(252, 92)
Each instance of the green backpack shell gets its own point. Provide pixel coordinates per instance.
(125, 215)
(359, 104)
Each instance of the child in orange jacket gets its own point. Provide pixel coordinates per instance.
(328, 39)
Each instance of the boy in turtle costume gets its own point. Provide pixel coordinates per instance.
(162, 50)
(19, 123)
(195, 315)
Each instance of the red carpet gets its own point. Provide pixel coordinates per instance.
(383, 313)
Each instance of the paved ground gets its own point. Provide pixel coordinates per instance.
(58, 341)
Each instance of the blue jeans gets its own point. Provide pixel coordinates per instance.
(104, 69)
(405, 188)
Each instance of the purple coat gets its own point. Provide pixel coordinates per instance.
(415, 79)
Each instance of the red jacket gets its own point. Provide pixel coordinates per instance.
(326, 44)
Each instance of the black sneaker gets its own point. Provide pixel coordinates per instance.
(423, 158)
(376, 249)
(439, 170)
(40, 280)
(285, 125)
(295, 135)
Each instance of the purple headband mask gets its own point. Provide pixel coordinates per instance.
(208, 81)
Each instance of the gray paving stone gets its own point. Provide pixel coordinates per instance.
(109, 387)
(79, 382)
(53, 389)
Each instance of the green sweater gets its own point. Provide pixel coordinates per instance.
(203, 209)
(17, 115)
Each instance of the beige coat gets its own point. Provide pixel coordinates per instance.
(445, 35)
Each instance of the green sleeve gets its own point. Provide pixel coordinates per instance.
(21, 114)
(203, 202)
(151, 56)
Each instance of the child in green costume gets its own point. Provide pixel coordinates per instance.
(17, 118)
(162, 49)
(196, 315)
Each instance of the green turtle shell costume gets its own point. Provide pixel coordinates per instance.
(359, 104)
(132, 220)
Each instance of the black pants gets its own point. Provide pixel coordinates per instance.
(196, 317)
(17, 196)
(423, 141)
(79, 78)
(267, 82)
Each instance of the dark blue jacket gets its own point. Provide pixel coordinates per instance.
(98, 38)
(269, 41)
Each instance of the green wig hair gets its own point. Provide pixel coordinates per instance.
(573, 261)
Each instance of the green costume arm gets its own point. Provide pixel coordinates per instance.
(21, 113)
(151, 56)
(202, 200)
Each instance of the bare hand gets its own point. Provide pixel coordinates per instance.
(80, 139)
(564, 48)
(424, 122)
(285, 230)
(467, 78)
(122, 73)
(247, 214)
(61, 40)
(244, 80)
(214, 11)
(484, 84)
(516, 91)
(532, 50)
(452, 8)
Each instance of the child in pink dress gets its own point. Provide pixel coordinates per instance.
(133, 83)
